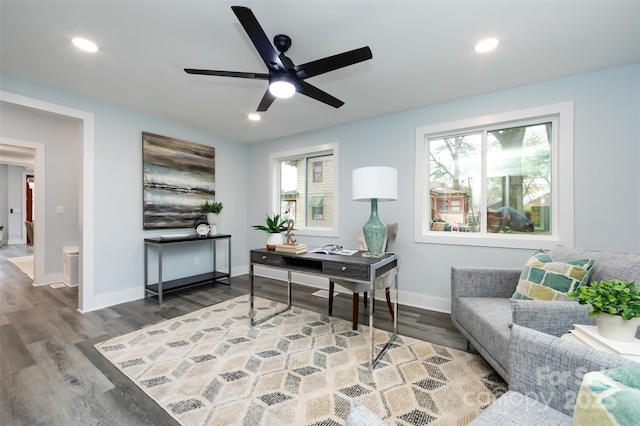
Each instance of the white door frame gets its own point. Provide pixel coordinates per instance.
(86, 213)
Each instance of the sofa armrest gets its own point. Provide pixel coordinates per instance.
(555, 318)
(550, 370)
(482, 282)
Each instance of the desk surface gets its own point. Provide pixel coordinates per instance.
(356, 266)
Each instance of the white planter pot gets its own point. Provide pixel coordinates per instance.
(212, 218)
(615, 328)
(274, 239)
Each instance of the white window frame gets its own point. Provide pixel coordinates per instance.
(274, 185)
(562, 232)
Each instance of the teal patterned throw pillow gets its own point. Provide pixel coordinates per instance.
(545, 279)
(609, 397)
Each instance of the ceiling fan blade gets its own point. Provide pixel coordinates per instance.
(258, 37)
(257, 76)
(319, 95)
(334, 62)
(266, 101)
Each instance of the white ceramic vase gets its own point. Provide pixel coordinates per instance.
(274, 239)
(615, 328)
(212, 218)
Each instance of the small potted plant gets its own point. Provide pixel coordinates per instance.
(616, 306)
(212, 210)
(274, 225)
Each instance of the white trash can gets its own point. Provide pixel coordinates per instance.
(70, 266)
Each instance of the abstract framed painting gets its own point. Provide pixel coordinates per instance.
(178, 177)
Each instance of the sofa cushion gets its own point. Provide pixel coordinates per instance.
(514, 408)
(609, 397)
(609, 264)
(487, 319)
(542, 278)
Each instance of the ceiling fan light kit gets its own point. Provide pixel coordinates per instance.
(285, 78)
(281, 88)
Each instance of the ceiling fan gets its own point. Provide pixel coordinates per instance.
(284, 77)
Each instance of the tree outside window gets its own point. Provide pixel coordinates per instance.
(516, 183)
(494, 181)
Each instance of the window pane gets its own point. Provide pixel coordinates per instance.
(454, 181)
(306, 190)
(519, 179)
(291, 189)
(320, 191)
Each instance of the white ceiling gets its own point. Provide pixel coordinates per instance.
(422, 54)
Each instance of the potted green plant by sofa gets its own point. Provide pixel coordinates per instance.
(616, 306)
(212, 210)
(274, 225)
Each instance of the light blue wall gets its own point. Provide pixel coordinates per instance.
(606, 185)
(118, 263)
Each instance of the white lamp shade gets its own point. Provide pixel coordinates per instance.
(375, 182)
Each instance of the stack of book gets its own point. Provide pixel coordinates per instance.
(587, 335)
(291, 248)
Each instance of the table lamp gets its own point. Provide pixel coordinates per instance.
(375, 184)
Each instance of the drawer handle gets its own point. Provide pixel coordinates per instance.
(344, 268)
(264, 257)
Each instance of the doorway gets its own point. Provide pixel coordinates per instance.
(29, 182)
(86, 213)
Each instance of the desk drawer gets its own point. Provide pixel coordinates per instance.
(358, 272)
(266, 259)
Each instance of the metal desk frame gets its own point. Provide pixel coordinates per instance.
(368, 269)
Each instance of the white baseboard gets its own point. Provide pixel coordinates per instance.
(111, 299)
(48, 279)
(404, 298)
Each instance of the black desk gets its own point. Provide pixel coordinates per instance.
(355, 267)
(161, 287)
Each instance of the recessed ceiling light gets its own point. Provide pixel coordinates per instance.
(84, 44)
(254, 117)
(487, 45)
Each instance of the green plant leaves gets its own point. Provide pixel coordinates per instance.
(615, 297)
(274, 224)
(211, 207)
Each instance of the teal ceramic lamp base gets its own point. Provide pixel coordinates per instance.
(375, 232)
(375, 184)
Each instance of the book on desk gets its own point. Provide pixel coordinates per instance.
(587, 335)
(291, 248)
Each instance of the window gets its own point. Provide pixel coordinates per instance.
(317, 171)
(305, 188)
(496, 181)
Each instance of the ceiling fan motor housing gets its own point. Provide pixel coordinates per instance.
(282, 42)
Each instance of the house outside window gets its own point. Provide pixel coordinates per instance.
(305, 188)
(496, 181)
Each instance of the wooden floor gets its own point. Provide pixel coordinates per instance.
(50, 374)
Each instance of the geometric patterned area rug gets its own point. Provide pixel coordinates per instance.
(210, 367)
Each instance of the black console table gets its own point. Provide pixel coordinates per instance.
(355, 267)
(158, 289)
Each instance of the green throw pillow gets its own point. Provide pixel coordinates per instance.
(544, 279)
(609, 397)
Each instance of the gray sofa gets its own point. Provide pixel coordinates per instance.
(546, 373)
(482, 308)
